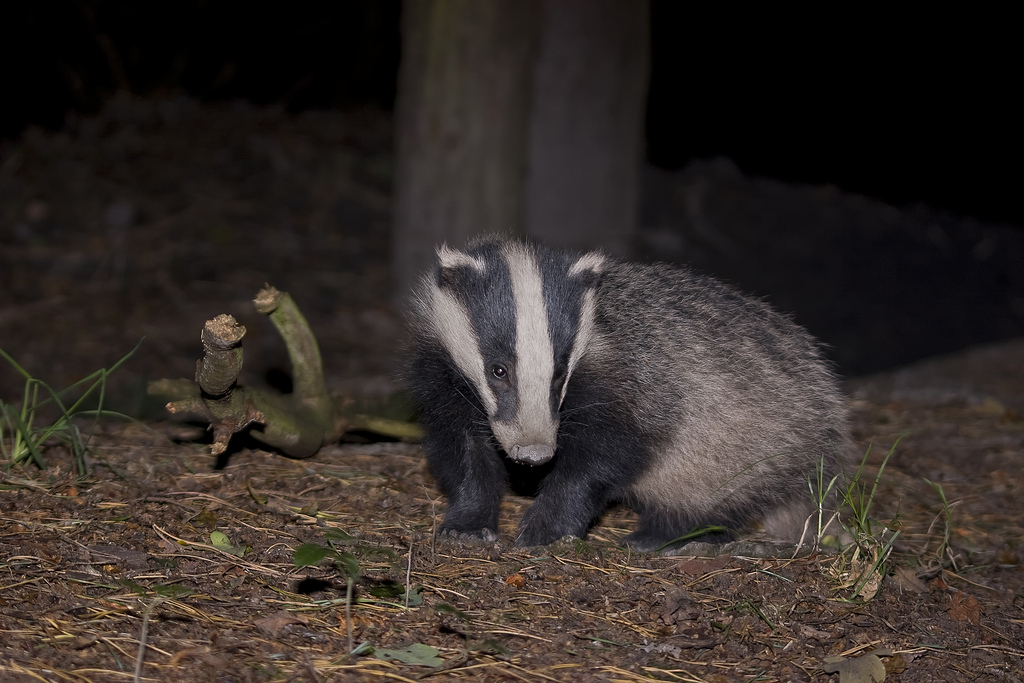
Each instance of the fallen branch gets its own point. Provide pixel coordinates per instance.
(297, 424)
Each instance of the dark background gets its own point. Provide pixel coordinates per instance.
(873, 171)
(917, 109)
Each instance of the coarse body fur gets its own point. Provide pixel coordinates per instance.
(606, 381)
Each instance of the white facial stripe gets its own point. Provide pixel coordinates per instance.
(594, 262)
(453, 258)
(535, 363)
(582, 341)
(454, 329)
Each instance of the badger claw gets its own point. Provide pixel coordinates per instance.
(531, 542)
(468, 537)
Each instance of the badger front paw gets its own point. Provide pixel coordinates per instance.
(543, 527)
(531, 536)
(467, 536)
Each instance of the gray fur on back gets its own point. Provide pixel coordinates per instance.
(737, 396)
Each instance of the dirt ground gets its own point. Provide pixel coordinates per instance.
(164, 564)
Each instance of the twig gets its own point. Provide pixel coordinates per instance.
(408, 573)
(142, 638)
(348, 614)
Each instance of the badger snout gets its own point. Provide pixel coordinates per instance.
(532, 455)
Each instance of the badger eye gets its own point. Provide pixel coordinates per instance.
(499, 371)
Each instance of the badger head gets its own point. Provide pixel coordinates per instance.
(515, 318)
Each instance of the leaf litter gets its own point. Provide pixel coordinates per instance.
(84, 575)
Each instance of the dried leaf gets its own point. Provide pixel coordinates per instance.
(963, 607)
(866, 669)
(871, 586)
(811, 632)
(516, 580)
(206, 518)
(273, 624)
(907, 579)
(697, 566)
(416, 654)
(259, 498)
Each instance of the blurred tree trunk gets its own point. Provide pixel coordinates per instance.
(521, 117)
(461, 124)
(587, 123)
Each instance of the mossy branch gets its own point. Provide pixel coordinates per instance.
(297, 424)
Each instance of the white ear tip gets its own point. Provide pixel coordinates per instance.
(453, 258)
(592, 261)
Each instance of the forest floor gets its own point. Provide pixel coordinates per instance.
(165, 563)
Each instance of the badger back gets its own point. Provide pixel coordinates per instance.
(513, 319)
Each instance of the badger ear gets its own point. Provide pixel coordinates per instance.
(589, 267)
(449, 258)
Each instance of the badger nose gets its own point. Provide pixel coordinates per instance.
(532, 455)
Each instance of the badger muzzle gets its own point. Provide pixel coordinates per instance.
(532, 455)
(531, 444)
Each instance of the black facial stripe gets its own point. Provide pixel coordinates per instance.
(487, 298)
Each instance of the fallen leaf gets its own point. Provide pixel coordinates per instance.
(895, 664)
(697, 567)
(416, 654)
(907, 580)
(220, 541)
(811, 632)
(866, 669)
(206, 518)
(273, 624)
(694, 638)
(311, 554)
(663, 648)
(516, 581)
(168, 546)
(82, 642)
(964, 607)
(259, 498)
(188, 652)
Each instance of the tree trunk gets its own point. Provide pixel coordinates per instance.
(587, 123)
(518, 117)
(461, 124)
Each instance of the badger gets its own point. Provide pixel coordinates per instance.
(595, 381)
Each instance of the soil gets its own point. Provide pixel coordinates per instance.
(153, 217)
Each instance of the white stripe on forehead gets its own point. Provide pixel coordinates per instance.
(453, 327)
(535, 363)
